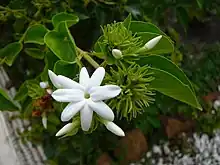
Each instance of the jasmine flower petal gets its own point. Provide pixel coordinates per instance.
(104, 92)
(114, 128)
(101, 109)
(86, 117)
(97, 77)
(84, 77)
(71, 110)
(67, 83)
(66, 129)
(54, 79)
(68, 95)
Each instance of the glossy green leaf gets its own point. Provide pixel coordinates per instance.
(165, 45)
(10, 52)
(6, 104)
(66, 69)
(171, 86)
(164, 64)
(139, 26)
(35, 53)
(35, 34)
(22, 93)
(61, 43)
(71, 19)
(34, 89)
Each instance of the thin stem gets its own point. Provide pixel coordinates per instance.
(87, 57)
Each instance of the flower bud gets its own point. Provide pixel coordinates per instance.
(117, 53)
(66, 129)
(152, 43)
(114, 128)
(44, 85)
(44, 120)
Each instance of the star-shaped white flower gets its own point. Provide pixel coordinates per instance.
(84, 97)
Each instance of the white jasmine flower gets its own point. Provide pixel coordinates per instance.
(153, 42)
(44, 85)
(44, 120)
(66, 129)
(114, 128)
(117, 53)
(84, 97)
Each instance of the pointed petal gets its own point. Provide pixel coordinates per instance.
(71, 110)
(114, 128)
(84, 77)
(104, 92)
(66, 129)
(153, 42)
(44, 120)
(97, 77)
(101, 109)
(54, 79)
(67, 83)
(68, 95)
(86, 117)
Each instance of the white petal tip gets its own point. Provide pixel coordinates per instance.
(114, 128)
(66, 129)
(153, 42)
(117, 53)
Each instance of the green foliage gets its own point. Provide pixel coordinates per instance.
(35, 34)
(137, 73)
(9, 53)
(136, 93)
(34, 89)
(6, 104)
(61, 43)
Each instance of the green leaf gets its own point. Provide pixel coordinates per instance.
(171, 86)
(155, 122)
(35, 53)
(165, 45)
(35, 34)
(66, 69)
(183, 17)
(61, 43)
(71, 19)
(10, 52)
(164, 64)
(22, 93)
(139, 26)
(200, 3)
(34, 89)
(127, 21)
(53, 119)
(6, 104)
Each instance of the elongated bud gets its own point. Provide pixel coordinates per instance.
(153, 42)
(44, 85)
(114, 128)
(117, 53)
(44, 120)
(66, 129)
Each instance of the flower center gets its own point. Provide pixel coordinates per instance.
(87, 96)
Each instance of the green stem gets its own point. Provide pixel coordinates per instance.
(87, 57)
